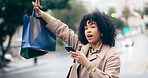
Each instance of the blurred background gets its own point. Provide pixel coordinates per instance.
(131, 17)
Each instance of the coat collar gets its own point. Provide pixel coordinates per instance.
(101, 54)
(103, 51)
(85, 48)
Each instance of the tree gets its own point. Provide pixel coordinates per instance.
(12, 12)
(71, 16)
(54, 4)
(111, 11)
(146, 10)
(96, 10)
(119, 23)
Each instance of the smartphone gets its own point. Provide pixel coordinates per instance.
(69, 48)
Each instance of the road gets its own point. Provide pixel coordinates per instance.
(134, 60)
(134, 63)
(56, 66)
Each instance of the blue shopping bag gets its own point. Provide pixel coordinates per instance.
(36, 38)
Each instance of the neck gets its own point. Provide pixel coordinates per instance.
(96, 45)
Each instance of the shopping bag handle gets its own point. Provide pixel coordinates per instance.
(34, 12)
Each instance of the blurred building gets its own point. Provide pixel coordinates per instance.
(135, 23)
(134, 6)
(15, 45)
(144, 5)
(135, 20)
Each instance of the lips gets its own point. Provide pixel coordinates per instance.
(89, 36)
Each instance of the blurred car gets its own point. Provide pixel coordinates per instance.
(8, 58)
(127, 42)
(119, 36)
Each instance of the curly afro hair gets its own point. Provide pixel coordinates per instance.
(105, 25)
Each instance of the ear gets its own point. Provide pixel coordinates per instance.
(101, 35)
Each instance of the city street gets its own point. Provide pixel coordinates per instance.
(39, 24)
(54, 67)
(134, 62)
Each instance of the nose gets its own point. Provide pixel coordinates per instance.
(88, 30)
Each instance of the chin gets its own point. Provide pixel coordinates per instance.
(91, 42)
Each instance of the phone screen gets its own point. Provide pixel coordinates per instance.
(70, 49)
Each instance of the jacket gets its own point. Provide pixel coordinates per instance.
(107, 62)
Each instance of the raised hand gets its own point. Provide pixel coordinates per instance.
(37, 9)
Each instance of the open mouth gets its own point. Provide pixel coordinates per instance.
(89, 36)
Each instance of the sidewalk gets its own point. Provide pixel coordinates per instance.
(20, 63)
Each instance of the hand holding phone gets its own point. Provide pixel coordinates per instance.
(69, 48)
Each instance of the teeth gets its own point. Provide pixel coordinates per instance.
(89, 35)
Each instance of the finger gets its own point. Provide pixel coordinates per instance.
(37, 9)
(34, 4)
(75, 53)
(70, 53)
(74, 57)
(38, 2)
(78, 52)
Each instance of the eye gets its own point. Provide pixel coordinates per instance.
(93, 27)
(85, 28)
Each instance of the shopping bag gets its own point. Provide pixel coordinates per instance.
(37, 40)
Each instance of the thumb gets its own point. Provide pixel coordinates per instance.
(33, 4)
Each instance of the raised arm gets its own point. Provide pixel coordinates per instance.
(59, 28)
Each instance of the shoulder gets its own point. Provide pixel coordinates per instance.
(110, 52)
(112, 56)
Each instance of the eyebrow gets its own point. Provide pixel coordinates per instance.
(91, 23)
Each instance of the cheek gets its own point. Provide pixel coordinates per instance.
(97, 33)
(85, 33)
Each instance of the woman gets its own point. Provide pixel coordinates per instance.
(94, 56)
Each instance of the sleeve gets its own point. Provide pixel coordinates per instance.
(91, 70)
(112, 68)
(46, 17)
(61, 30)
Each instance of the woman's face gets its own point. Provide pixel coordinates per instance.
(92, 33)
